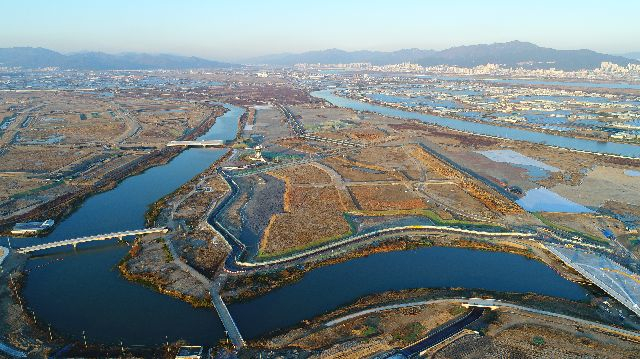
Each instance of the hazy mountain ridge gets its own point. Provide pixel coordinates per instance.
(511, 54)
(341, 56)
(30, 57)
(632, 55)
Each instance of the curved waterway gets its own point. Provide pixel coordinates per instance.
(81, 290)
(485, 129)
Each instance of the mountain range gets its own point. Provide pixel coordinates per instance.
(510, 54)
(32, 57)
(632, 55)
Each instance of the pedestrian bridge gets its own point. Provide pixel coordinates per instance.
(100, 237)
(197, 143)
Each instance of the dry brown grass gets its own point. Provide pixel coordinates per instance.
(487, 197)
(312, 214)
(40, 158)
(304, 174)
(386, 197)
(360, 171)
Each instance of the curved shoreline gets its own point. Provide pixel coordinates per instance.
(61, 207)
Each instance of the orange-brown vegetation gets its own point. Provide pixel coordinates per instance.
(312, 215)
(367, 134)
(304, 174)
(358, 171)
(297, 144)
(490, 199)
(386, 197)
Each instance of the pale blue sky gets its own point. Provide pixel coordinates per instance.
(233, 29)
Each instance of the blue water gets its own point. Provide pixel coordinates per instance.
(328, 288)
(544, 200)
(413, 101)
(76, 291)
(81, 290)
(486, 129)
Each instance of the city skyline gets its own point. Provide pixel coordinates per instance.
(227, 30)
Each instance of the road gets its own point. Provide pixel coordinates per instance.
(488, 303)
(443, 333)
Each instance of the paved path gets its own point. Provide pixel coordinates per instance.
(500, 304)
(439, 335)
(184, 266)
(487, 303)
(349, 240)
(221, 308)
(391, 307)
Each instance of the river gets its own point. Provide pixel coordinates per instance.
(82, 290)
(485, 129)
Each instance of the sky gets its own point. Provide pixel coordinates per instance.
(237, 29)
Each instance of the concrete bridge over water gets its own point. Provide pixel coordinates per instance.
(99, 237)
(197, 143)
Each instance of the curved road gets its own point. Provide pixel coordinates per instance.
(444, 333)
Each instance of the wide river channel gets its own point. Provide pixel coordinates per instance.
(82, 290)
(621, 149)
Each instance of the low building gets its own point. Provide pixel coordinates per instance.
(189, 352)
(32, 228)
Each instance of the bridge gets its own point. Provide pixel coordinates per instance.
(227, 320)
(99, 237)
(197, 143)
(611, 277)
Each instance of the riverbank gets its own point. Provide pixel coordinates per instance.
(151, 263)
(403, 323)
(25, 324)
(63, 206)
(19, 329)
(242, 287)
(504, 124)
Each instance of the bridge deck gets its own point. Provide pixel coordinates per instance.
(99, 237)
(227, 320)
(197, 143)
(611, 277)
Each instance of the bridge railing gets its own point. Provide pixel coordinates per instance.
(98, 237)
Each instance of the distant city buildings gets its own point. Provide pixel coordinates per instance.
(606, 71)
